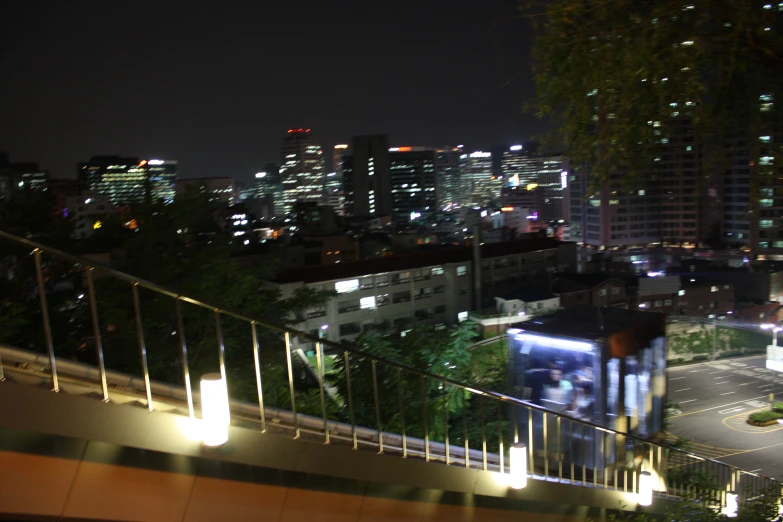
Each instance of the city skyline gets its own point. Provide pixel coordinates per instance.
(216, 92)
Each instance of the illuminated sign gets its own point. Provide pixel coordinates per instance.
(155, 162)
(142, 163)
(341, 146)
(97, 225)
(405, 149)
(260, 174)
(775, 358)
(555, 342)
(515, 147)
(479, 154)
(532, 186)
(506, 209)
(564, 179)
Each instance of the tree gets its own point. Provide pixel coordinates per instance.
(619, 76)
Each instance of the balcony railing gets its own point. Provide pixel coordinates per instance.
(359, 399)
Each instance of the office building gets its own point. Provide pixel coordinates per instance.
(333, 192)
(127, 181)
(340, 150)
(519, 167)
(448, 177)
(302, 168)
(413, 172)
(28, 177)
(431, 287)
(552, 181)
(478, 185)
(366, 178)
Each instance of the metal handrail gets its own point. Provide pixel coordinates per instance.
(320, 344)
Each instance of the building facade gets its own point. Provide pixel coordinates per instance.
(366, 177)
(423, 288)
(413, 177)
(220, 190)
(302, 168)
(127, 181)
(448, 177)
(478, 185)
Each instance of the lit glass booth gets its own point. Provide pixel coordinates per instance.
(604, 366)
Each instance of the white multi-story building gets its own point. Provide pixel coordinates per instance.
(302, 168)
(433, 287)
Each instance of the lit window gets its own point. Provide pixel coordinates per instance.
(462, 270)
(714, 289)
(438, 270)
(681, 293)
(462, 316)
(367, 303)
(343, 287)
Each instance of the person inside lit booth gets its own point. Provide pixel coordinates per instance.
(600, 365)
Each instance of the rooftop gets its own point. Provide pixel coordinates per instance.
(380, 265)
(589, 280)
(592, 322)
(531, 295)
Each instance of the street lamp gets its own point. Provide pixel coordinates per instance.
(775, 329)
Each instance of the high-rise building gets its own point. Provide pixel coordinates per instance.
(448, 177)
(366, 178)
(340, 150)
(478, 186)
(126, 181)
(553, 180)
(28, 177)
(413, 172)
(333, 192)
(519, 166)
(162, 175)
(302, 168)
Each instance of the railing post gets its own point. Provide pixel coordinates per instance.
(483, 435)
(96, 328)
(142, 345)
(377, 406)
(291, 383)
(45, 319)
(350, 399)
(500, 439)
(401, 405)
(426, 423)
(221, 347)
(446, 421)
(183, 346)
(320, 363)
(465, 426)
(257, 362)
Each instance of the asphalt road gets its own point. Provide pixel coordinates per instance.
(716, 399)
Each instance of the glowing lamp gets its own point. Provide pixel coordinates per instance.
(214, 409)
(518, 466)
(645, 488)
(731, 505)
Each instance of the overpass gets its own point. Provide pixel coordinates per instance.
(364, 439)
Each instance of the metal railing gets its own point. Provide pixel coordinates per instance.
(369, 402)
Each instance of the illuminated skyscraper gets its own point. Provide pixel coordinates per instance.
(302, 168)
(337, 158)
(126, 181)
(519, 167)
(448, 176)
(478, 186)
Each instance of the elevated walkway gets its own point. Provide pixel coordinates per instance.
(111, 446)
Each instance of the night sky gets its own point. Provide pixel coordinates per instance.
(216, 84)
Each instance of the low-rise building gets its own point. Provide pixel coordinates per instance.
(434, 287)
(598, 289)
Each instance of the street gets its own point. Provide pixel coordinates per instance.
(716, 399)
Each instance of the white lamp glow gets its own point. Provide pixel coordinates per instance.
(518, 466)
(645, 488)
(214, 409)
(731, 505)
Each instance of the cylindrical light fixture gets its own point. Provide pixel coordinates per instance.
(731, 504)
(214, 409)
(645, 488)
(517, 456)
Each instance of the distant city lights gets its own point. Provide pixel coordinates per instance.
(260, 175)
(515, 147)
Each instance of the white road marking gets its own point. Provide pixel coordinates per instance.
(720, 377)
(684, 389)
(765, 386)
(675, 378)
(730, 410)
(744, 384)
(728, 393)
(694, 371)
(713, 373)
(691, 400)
(724, 382)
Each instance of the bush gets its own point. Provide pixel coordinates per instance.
(778, 407)
(764, 418)
(730, 353)
(700, 358)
